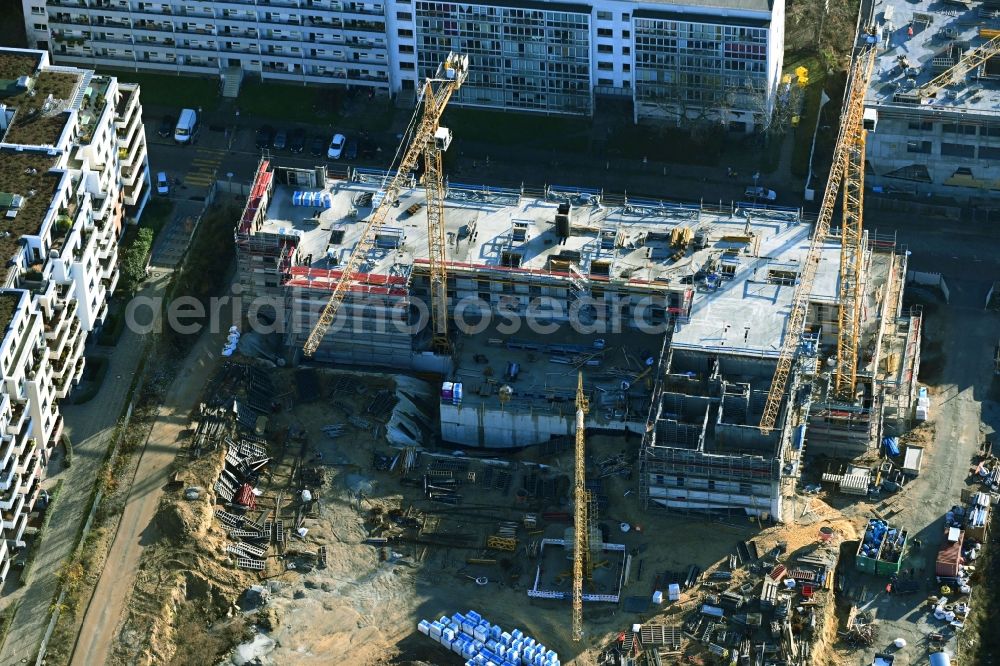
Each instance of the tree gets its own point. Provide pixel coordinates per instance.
(134, 259)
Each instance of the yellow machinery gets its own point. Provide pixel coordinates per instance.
(581, 527)
(430, 140)
(848, 168)
(957, 72)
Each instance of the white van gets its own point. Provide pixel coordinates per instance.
(187, 123)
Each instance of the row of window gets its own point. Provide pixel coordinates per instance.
(948, 149)
(966, 129)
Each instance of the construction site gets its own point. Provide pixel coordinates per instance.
(457, 402)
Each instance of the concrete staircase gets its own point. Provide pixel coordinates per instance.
(232, 79)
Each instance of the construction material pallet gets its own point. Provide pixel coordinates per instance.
(658, 634)
(230, 519)
(246, 535)
(246, 550)
(247, 563)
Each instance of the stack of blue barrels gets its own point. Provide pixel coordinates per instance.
(484, 644)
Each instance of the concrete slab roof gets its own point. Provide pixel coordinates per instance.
(630, 242)
(930, 35)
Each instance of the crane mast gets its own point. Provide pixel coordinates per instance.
(581, 526)
(847, 168)
(427, 138)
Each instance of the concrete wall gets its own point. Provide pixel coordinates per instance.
(488, 426)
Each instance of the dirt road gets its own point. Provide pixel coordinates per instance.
(136, 531)
(966, 335)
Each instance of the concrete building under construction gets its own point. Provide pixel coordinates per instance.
(674, 313)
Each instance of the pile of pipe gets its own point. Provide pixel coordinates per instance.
(232, 341)
(979, 510)
(874, 536)
(485, 644)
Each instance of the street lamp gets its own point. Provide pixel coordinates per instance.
(229, 175)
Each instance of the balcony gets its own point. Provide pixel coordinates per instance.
(9, 497)
(105, 6)
(66, 19)
(7, 474)
(17, 419)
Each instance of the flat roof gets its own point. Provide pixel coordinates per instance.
(630, 241)
(8, 306)
(747, 314)
(26, 174)
(37, 121)
(941, 30)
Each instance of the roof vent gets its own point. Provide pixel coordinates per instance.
(11, 203)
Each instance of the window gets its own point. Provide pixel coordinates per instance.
(959, 128)
(404, 16)
(41, 26)
(958, 150)
(918, 147)
(922, 126)
(605, 82)
(626, 67)
(405, 48)
(605, 66)
(604, 16)
(626, 50)
(626, 18)
(38, 11)
(989, 153)
(408, 66)
(993, 130)
(605, 32)
(403, 32)
(605, 48)
(626, 34)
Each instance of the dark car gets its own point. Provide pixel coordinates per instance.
(351, 150)
(265, 136)
(317, 147)
(281, 140)
(369, 149)
(297, 140)
(167, 126)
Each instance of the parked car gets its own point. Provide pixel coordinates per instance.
(368, 149)
(167, 126)
(162, 184)
(265, 136)
(759, 193)
(351, 149)
(297, 140)
(336, 148)
(317, 146)
(280, 140)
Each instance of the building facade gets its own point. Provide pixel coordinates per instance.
(718, 60)
(73, 170)
(926, 138)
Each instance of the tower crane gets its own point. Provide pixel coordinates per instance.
(429, 140)
(581, 525)
(848, 168)
(954, 74)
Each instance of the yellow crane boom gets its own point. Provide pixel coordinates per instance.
(436, 94)
(848, 150)
(581, 527)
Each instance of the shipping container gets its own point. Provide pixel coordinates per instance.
(949, 558)
(881, 550)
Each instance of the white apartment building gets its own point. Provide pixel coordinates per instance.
(73, 169)
(712, 59)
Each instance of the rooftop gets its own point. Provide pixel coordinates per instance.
(942, 31)
(38, 120)
(8, 305)
(26, 174)
(748, 312)
(14, 65)
(497, 229)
